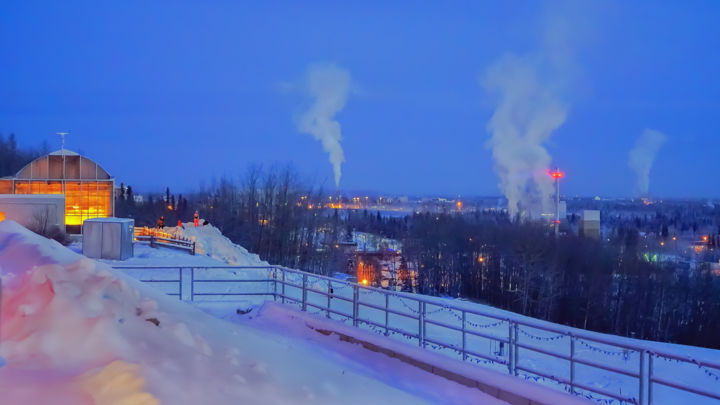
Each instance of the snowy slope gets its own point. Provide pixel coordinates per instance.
(75, 332)
(586, 350)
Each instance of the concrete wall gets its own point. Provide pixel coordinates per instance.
(30, 209)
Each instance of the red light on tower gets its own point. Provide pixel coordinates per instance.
(556, 176)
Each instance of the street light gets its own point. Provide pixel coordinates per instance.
(556, 176)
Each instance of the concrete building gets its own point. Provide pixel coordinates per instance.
(86, 187)
(34, 211)
(590, 224)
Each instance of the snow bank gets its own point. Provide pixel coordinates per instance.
(75, 332)
(211, 242)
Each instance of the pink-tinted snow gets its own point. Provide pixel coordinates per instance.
(72, 331)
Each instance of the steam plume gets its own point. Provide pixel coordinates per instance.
(328, 85)
(526, 115)
(642, 157)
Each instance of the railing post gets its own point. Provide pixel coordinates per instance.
(641, 394)
(511, 366)
(421, 323)
(516, 356)
(650, 378)
(355, 304)
(329, 291)
(283, 286)
(192, 284)
(275, 281)
(464, 352)
(572, 363)
(304, 292)
(180, 288)
(387, 314)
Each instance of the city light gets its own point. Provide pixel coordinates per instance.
(365, 281)
(557, 174)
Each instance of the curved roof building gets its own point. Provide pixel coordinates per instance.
(87, 187)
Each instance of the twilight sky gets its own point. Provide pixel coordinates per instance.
(176, 93)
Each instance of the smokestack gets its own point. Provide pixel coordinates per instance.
(642, 156)
(328, 86)
(525, 117)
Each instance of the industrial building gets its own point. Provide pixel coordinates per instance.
(590, 224)
(85, 185)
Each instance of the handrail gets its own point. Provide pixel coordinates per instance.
(422, 308)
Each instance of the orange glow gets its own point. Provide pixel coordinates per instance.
(459, 205)
(83, 199)
(481, 259)
(557, 174)
(662, 243)
(674, 237)
(170, 207)
(2, 216)
(263, 221)
(705, 238)
(365, 281)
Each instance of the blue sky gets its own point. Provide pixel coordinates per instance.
(176, 93)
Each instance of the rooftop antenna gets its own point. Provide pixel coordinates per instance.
(62, 136)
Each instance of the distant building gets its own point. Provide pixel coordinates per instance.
(590, 224)
(87, 187)
(563, 210)
(37, 212)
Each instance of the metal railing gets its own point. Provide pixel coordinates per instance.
(517, 344)
(157, 237)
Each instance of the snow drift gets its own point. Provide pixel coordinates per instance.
(211, 242)
(75, 332)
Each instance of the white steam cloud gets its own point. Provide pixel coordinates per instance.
(328, 85)
(642, 157)
(531, 96)
(526, 115)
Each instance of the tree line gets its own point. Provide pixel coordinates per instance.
(604, 286)
(13, 157)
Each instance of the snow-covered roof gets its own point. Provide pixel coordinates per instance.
(62, 152)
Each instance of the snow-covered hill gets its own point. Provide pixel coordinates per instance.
(211, 242)
(588, 350)
(76, 332)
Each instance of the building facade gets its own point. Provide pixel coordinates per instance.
(87, 187)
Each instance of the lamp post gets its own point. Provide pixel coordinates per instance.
(557, 175)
